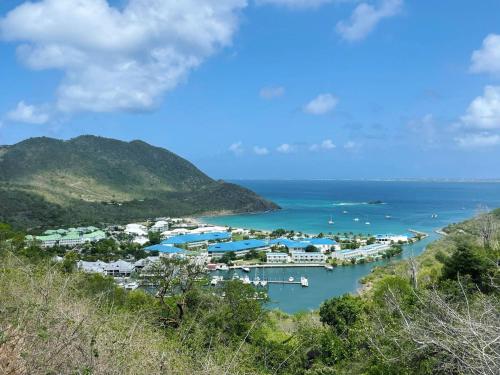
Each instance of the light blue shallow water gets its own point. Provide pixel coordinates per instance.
(308, 205)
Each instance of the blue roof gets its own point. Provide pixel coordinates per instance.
(165, 249)
(188, 238)
(236, 246)
(321, 241)
(289, 243)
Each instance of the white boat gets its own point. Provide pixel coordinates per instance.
(304, 282)
(344, 212)
(329, 267)
(388, 216)
(246, 280)
(132, 286)
(367, 223)
(330, 221)
(356, 219)
(236, 277)
(223, 267)
(263, 282)
(256, 281)
(290, 279)
(246, 269)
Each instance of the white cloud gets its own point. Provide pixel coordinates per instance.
(484, 111)
(236, 148)
(260, 150)
(351, 145)
(327, 144)
(365, 18)
(487, 59)
(321, 105)
(272, 92)
(119, 59)
(29, 114)
(294, 4)
(478, 140)
(285, 148)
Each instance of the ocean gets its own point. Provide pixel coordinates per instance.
(381, 206)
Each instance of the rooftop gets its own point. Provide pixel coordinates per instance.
(237, 246)
(188, 238)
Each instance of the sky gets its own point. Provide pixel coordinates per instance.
(263, 89)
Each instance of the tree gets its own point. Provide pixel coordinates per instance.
(154, 238)
(341, 313)
(311, 249)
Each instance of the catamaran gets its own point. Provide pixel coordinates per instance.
(304, 282)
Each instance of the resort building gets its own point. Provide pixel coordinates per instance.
(136, 229)
(291, 245)
(303, 257)
(240, 248)
(64, 237)
(365, 251)
(160, 226)
(388, 239)
(141, 240)
(93, 267)
(197, 240)
(168, 251)
(277, 258)
(323, 244)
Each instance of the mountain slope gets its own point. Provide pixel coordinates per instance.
(45, 181)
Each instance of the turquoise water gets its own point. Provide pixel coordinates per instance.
(308, 205)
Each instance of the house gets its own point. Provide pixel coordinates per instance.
(197, 240)
(208, 229)
(120, 268)
(141, 240)
(94, 267)
(160, 226)
(240, 248)
(277, 258)
(304, 257)
(94, 236)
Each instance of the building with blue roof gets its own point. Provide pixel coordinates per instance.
(168, 251)
(240, 248)
(291, 245)
(321, 244)
(197, 240)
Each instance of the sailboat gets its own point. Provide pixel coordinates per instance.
(356, 219)
(330, 221)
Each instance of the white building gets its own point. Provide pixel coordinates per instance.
(136, 229)
(118, 268)
(304, 257)
(141, 240)
(159, 226)
(277, 258)
(365, 251)
(388, 239)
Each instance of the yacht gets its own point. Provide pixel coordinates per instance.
(263, 282)
(388, 216)
(356, 219)
(344, 212)
(246, 269)
(290, 279)
(329, 267)
(367, 223)
(330, 221)
(304, 282)
(256, 281)
(246, 280)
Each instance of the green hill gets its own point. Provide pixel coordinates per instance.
(88, 179)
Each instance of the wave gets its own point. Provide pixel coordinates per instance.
(349, 203)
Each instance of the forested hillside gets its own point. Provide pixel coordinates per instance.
(49, 182)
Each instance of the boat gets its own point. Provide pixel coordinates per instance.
(214, 281)
(256, 281)
(330, 221)
(263, 282)
(223, 267)
(246, 280)
(356, 219)
(344, 212)
(434, 216)
(131, 286)
(236, 277)
(367, 223)
(290, 279)
(246, 269)
(388, 216)
(304, 282)
(329, 267)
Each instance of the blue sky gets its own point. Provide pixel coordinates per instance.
(263, 88)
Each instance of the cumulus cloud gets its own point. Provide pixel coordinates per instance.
(29, 114)
(272, 92)
(119, 59)
(351, 145)
(487, 59)
(321, 105)
(236, 148)
(484, 111)
(285, 148)
(327, 144)
(294, 4)
(484, 139)
(365, 18)
(261, 151)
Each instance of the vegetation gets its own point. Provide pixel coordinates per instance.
(435, 314)
(90, 180)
